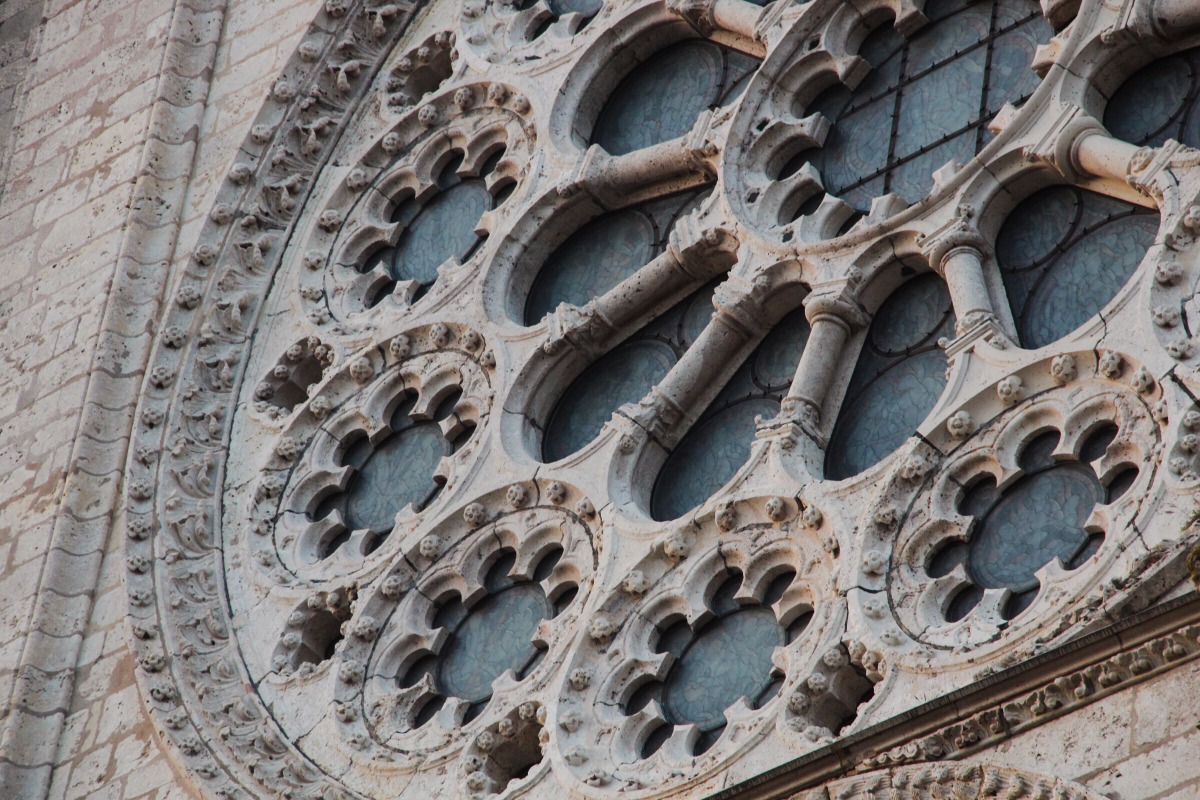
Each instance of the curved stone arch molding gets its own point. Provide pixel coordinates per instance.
(473, 118)
(596, 745)
(189, 671)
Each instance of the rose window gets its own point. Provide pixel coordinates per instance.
(662, 98)
(629, 398)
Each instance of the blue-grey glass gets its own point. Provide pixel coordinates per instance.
(940, 104)
(585, 8)
(1009, 73)
(1085, 278)
(661, 98)
(398, 472)
(927, 100)
(496, 635)
(899, 376)
(1151, 106)
(886, 413)
(593, 260)
(1064, 254)
(1037, 520)
(731, 658)
(910, 316)
(623, 376)
(444, 228)
(707, 458)
(776, 359)
(1036, 228)
(719, 443)
(605, 252)
(912, 179)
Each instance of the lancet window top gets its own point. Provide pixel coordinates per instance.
(624, 375)
(604, 252)
(661, 99)
(719, 443)
(900, 374)
(927, 100)
(1064, 253)
(1158, 103)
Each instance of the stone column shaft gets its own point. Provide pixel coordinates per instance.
(962, 269)
(818, 363)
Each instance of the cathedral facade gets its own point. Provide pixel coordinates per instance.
(600, 399)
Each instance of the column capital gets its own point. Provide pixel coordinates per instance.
(698, 13)
(956, 234)
(1058, 147)
(739, 303)
(837, 303)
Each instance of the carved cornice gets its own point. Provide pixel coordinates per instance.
(998, 706)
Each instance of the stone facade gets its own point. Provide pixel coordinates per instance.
(195, 335)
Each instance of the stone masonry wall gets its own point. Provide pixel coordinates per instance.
(79, 130)
(19, 22)
(1139, 744)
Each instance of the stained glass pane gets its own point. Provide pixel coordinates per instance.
(776, 359)
(398, 472)
(899, 377)
(1064, 254)
(729, 659)
(927, 100)
(719, 443)
(595, 259)
(605, 252)
(444, 228)
(1037, 519)
(707, 458)
(625, 375)
(662, 98)
(1157, 102)
(495, 636)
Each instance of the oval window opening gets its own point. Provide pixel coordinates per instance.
(719, 443)
(663, 96)
(1064, 254)
(897, 380)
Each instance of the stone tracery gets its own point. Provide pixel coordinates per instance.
(377, 354)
